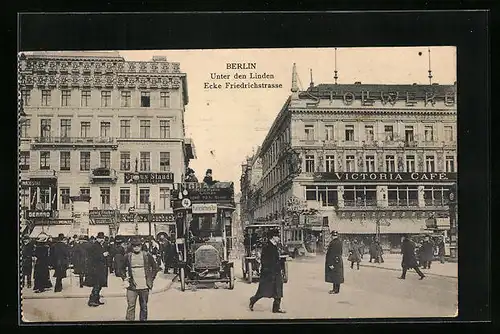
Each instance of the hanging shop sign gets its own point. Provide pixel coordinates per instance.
(38, 214)
(204, 208)
(144, 218)
(39, 182)
(102, 213)
(386, 177)
(52, 221)
(149, 178)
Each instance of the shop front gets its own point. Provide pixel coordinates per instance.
(52, 227)
(104, 221)
(141, 223)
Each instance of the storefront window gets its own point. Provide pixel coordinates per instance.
(326, 194)
(402, 195)
(435, 196)
(360, 195)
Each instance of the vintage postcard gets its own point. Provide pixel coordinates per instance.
(304, 183)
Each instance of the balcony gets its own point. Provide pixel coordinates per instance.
(431, 144)
(394, 143)
(43, 173)
(103, 175)
(411, 144)
(401, 202)
(73, 142)
(360, 203)
(310, 142)
(436, 202)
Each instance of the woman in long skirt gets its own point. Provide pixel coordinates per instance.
(42, 275)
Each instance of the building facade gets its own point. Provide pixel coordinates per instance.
(101, 126)
(375, 159)
(250, 185)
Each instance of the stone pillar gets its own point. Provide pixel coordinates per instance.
(382, 199)
(380, 161)
(359, 159)
(400, 163)
(421, 198)
(340, 161)
(440, 162)
(340, 196)
(420, 162)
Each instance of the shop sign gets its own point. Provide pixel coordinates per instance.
(102, 213)
(204, 208)
(49, 222)
(39, 214)
(381, 176)
(150, 178)
(38, 182)
(143, 218)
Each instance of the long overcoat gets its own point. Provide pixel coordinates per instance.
(79, 258)
(60, 259)
(97, 266)
(427, 251)
(271, 279)
(118, 260)
(354, 253)
(408, 250)
(334, 258)
(27, 259)
(41, 273)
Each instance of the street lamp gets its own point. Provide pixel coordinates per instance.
(135, 178)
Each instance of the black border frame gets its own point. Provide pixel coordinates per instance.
(465, 29)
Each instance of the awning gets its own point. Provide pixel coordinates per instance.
(94, 229)
(395, 226)
(52, 230)
(128, 229)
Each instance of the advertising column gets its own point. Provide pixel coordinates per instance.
(80, 213)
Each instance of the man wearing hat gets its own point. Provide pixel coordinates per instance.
(141, 270)
(97, 269)
(271, 279)
(409, 261)
(334, 266)
(27, 260)
(190, 176)
(208, 178)
(60, 261)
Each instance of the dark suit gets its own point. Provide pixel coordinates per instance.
(409, 261)
(333, 258)
(60, 261)
(271, 279)
(97, 271)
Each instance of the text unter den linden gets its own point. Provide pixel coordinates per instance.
(241, 76)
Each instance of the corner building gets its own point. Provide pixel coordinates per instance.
(372, 158)
(91, 120)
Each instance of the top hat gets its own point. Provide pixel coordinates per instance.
(334, 233)
(209, 171)
(136, 242)
(100, 235)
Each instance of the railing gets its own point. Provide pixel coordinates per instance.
(103, 174)
(436, 202)
(43, 173)
(360, 203)
(74, 140)
(411, 202)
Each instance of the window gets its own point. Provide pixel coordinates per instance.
(429, 163)
(349, 132)
(164, 198)
(389, 132)
(24, 160)
(84, 161)
(124, 160)
(65, 98)
(105, 159)
(105, 198)
(309, 163)
(143, 198)
(370, 163)
(65, 128)
(360, 195)
(124, 198)
(45, 128)
(330, 163)
(450, 164)
(409, 134)
(44, 160)
(145, 129)
(164, 161)
(390, 165)
(26, 96)
(65, 200)
(46, 97)
(25, 198)
(45, 198)
(85, 98)
(25, 127)
(326, 194)
(125, 129)
(428, 133)
(164, 99)
(145, 162)
(85, 191)
(85, 129)
(145, 99)
(164, 129)
(435, 196)
(126, 98)
(105, 129)
(105, 98)
(349, 163)
(309, 132)
(369, 134)
(410, 163)
(329, 132)
(65, 161)
(402, 195)
(448, 133)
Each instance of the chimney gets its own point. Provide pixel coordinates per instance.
(357, 83)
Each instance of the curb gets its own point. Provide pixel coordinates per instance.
(104, 295)
(399, 269)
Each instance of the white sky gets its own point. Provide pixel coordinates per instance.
(231, 123)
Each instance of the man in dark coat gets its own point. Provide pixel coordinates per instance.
(41, 273)
(60, 260)
(373, 250)
(271, 279)
(97, 270)
(355, 254)
(441, 251)
(409, 261)
(119, 258)
(378, 252)
(334, 267)
(79, 259)
(27, 261)
(427, 253)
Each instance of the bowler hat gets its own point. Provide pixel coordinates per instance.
(136, 242)
(273, 233)
(60, 236)
(334, 233)
(100, 235)
(209, 171)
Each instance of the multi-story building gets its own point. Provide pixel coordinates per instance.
(251, 175)
(101, 126)
(371, 158)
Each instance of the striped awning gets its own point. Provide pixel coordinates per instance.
(52, 230)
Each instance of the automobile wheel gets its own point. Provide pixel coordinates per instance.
(250, 273)
(231, 278)
(183, 279)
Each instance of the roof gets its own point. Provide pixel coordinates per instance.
(72, 54)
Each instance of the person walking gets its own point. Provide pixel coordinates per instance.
(271, 279)
(426, 253)
(334, 267)
(97, 269)
(60, 260)
(409, 261)
(441, 249)
(41, 273)
(373, 250)
(119, 258)
(140, 272)
(379, 252)
(79, 259)
(28, 253)
(354, 254)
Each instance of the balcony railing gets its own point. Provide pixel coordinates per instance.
(80, 141)
(436, 202)
(395, 202)
(43, 173)
(103, 175)
(360, 203)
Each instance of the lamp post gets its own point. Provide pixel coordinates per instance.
(135, 178)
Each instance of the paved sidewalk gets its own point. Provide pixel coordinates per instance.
(71, 287)
(393, 262)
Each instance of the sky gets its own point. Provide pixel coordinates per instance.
(227, 125)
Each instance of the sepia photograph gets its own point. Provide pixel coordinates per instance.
(238, 184)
